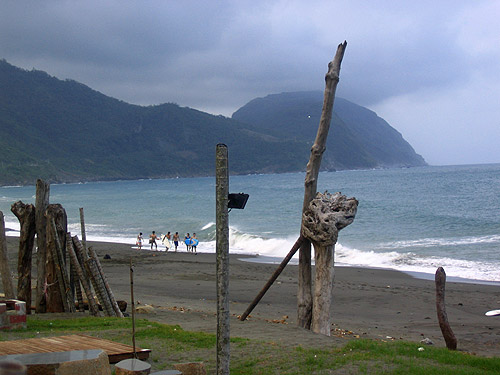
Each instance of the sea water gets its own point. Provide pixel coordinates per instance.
(414, 219)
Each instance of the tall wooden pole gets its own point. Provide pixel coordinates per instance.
(304, 293)
(82, 226)
(8, 286)
(133, 305)
(41, 203)
(449, 336)
(222, 249)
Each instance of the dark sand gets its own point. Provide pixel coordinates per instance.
(368, 303)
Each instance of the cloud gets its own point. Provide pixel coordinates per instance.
(403, 58)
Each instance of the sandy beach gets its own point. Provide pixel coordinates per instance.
(368, 303)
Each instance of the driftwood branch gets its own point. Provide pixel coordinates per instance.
(304, 294)
(449, 336)
(273, 278)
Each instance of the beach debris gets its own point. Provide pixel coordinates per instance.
(427, 341)
(145, 309)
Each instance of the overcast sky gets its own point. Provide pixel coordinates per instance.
(430, 68)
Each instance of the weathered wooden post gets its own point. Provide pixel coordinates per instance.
(82, 226)
(7, 284)
(222, 249)
(41, 203)
(56, 299)
(326, 215)
(26, 216)
(304, 293)
(449, 336)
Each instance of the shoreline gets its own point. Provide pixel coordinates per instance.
(367, 303)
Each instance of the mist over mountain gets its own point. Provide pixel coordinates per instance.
(63, 131)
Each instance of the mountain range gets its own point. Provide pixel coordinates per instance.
(64, 131)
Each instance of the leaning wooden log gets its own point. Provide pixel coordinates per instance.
(273, 278)
(56, 238)
(74, 275)
(93, 309)
(449, 336)
(82, 275)
(109, 292)
(326, 216)
(41, 203)
(25, 213)
(62, 273)
(304, 299)
(8, 286)
(99, 287)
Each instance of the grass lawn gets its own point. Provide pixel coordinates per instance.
(171, 344)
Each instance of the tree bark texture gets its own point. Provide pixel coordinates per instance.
(449, 336)
(304, 297)
(41, 203)
(222, 249)
(99, 287)
(109, 292)
(8, 286)
(25, 213)
(82, 275)
(326, 215)
(55, 290)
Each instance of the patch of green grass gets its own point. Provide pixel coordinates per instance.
(172, 344)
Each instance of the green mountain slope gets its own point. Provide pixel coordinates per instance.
(63, 131)
(358, 138)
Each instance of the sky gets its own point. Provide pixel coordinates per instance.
(429, 68)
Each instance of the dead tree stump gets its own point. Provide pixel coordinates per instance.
(449, 336)
(326, 215)
(26, 216)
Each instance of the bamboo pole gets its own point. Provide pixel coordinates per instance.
(93, 309)
(222, 250)
(109, 292)
(304, 293)
(8, 286)
(98, 283)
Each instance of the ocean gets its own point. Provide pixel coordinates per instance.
(413, 219)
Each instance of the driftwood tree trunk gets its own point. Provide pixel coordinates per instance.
(326, 215)
(55, 297)
(41, 203)
(304, 298)
(449, 336)
(8, 287)
(26, 216)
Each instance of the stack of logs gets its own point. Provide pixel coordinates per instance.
(58, 280)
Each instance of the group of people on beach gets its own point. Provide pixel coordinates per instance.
(167, 239)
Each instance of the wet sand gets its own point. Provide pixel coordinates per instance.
(368, 303)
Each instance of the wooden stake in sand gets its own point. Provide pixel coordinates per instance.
(222, 250)
(449, 336)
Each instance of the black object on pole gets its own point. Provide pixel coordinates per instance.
(237, 201)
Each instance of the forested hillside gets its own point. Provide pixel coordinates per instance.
(63, 131)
